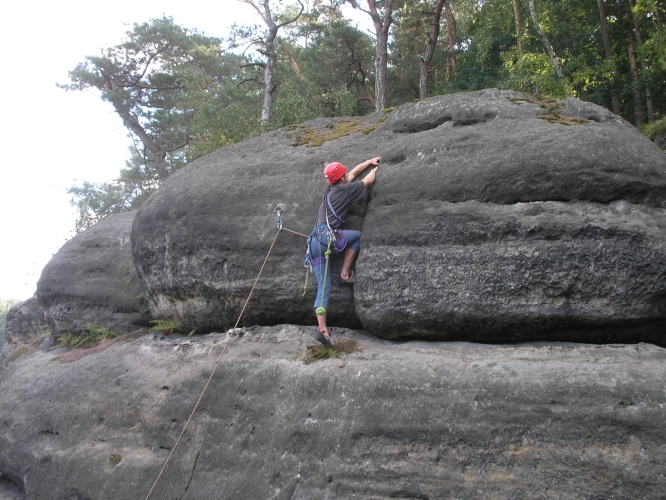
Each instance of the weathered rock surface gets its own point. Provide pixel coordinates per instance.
(495, 217)
(92, 279)
(394, 420)
(25, 321)
(487, 272)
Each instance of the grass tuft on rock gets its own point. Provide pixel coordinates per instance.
(28, 344)
(313, 353)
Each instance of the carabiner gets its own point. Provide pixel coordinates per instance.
(277, 210)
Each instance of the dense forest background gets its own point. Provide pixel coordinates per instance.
(181, 94)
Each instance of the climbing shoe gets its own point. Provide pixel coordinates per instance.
(325, 341)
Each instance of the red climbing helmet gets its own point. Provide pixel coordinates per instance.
(334, 171)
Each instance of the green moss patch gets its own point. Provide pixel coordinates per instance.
(562, 120)
(311, 137)
(552, 107)
(313, 353)
(114, 459)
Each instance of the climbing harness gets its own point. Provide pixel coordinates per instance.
(277, 211)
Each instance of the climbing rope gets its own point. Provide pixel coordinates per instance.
(217, 363)
(295, 232)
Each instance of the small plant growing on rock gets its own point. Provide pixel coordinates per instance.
(313, 353)
(167, 326)
(89, 338)
(29, 344)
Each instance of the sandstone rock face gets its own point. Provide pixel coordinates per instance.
(200, 240)
(25, 321)
(495, 217)
(513, 226)
(92, 279)
(393, 420)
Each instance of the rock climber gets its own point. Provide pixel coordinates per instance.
(328, 234)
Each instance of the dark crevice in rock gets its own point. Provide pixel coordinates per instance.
(421, 126)
(11, 486)
(189, 480)
(409, 495)
(465, 122)
(394, 160)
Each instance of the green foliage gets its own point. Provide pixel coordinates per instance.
(533, 74)
(89, 338)
(653, 130)
(339, 63)
(155, 81)
(165, 325)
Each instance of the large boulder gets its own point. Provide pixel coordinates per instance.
(495, 217)
(393, 420)
(26, 321)
(92, 279)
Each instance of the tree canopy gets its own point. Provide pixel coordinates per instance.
(181, 94)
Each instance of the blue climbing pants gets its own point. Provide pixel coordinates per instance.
(318, 246)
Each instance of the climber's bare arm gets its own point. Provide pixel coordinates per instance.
(361, 167)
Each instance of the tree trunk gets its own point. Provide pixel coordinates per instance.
(450, 39)
(639, 43)
(368, 95)
(430, 50)
(269, 86)
(609, 55)
(132, 123)
(269, 52)
(638, 121)
(545, 41)
(659, 22)
(382, 25)
(296, 69)
(519, 38)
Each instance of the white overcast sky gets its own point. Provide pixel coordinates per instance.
(54, 139)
